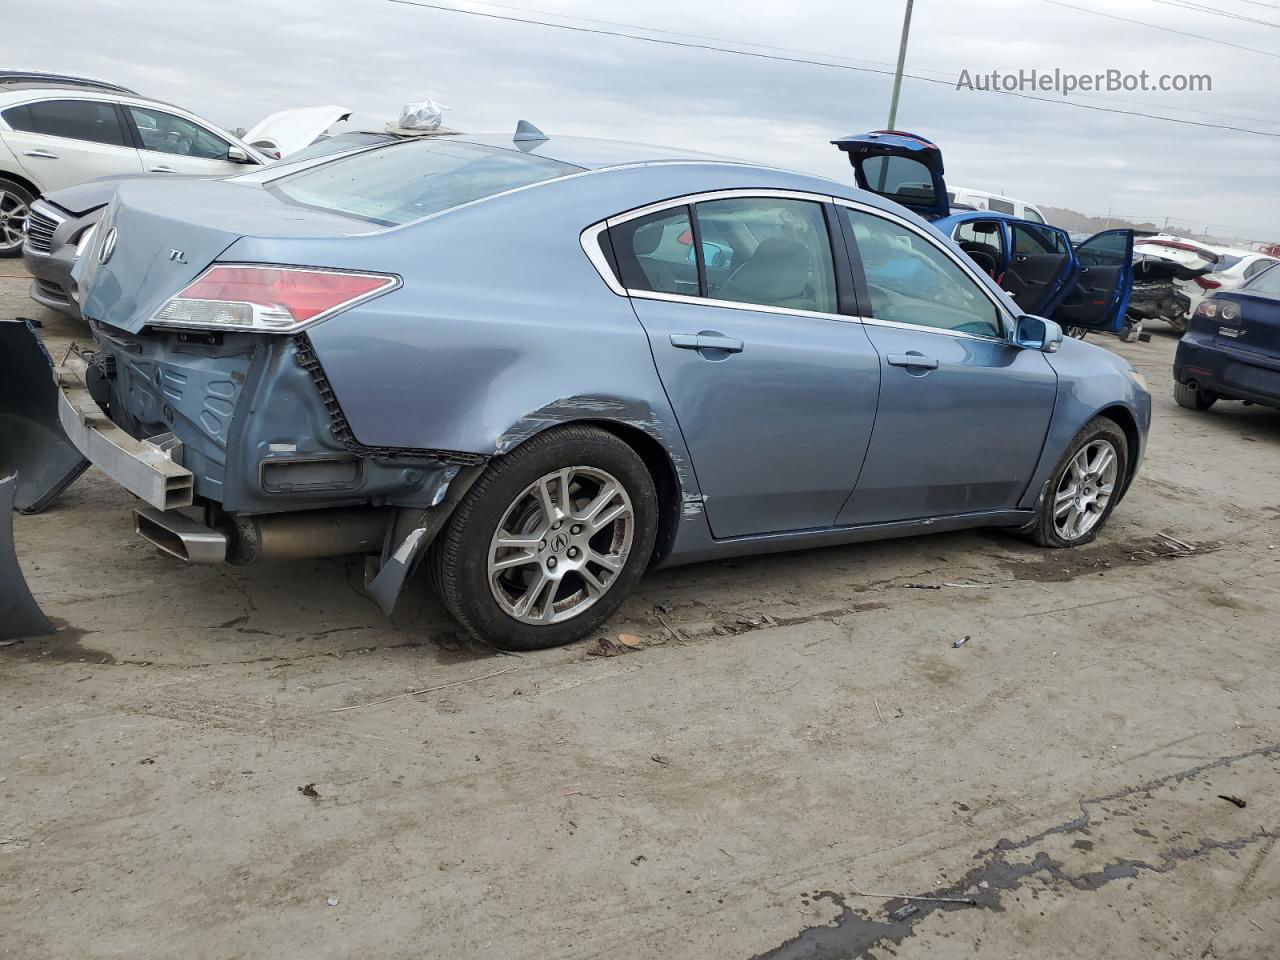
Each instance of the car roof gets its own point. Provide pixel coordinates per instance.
(591, 153)
(39, 80)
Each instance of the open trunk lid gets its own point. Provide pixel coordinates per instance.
(157, 236)
(899, 166)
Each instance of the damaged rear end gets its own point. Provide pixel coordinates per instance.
(204, 397)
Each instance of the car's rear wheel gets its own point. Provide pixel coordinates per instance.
(15, 204)
(1190, 395)
(1086, 483)
(549, 541)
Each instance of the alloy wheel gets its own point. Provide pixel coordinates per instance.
(13, 221)
(560, 545)
(1085, 490)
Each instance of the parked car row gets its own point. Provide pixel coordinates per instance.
(540, 366)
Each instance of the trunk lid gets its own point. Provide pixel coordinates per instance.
(899, 166)
(1256, 328)
(156, 236)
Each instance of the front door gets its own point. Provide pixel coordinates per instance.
(774, 389)
(168, 143)
(963, 413)
(1105, 282)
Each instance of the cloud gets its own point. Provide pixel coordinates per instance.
(235, 62)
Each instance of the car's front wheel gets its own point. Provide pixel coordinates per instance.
(549, 541)
(15, 205)
(1086, 483)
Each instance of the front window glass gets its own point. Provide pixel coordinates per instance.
(911, 280)
(91, 120)
(1033, 215)
(165, 133)
(1106, 250)
(411, 180)
(772, 252)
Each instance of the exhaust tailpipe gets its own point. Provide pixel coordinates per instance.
(179, 536)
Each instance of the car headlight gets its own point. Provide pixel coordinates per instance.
(85, 239)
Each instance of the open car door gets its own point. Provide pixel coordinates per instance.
(1101, 293)
(901, 167)
(1032, 262)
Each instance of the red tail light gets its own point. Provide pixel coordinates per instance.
(1205, 283)
(271, 299)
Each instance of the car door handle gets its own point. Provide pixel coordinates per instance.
(40, 154)
(912, 360)
(706, 341)
(161, 169)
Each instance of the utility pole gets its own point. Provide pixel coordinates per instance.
(902, 59)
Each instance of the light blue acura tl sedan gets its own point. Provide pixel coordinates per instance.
(538, 366)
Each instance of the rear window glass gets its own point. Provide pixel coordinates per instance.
(1000, 206)
(408, 181)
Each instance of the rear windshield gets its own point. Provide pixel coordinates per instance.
(408, 181)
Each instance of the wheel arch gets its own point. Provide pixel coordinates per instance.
(21, 181)
(657, 459)
(1123, 417)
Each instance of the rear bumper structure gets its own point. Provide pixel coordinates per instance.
(1226, 371)
(149, 469)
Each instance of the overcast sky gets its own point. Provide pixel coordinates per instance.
(234, 61)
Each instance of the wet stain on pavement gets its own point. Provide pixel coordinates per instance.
(855, 932)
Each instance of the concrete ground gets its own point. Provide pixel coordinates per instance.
(198, 764)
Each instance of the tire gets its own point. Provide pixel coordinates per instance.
(1076, 333)
(1192, 397)
(553, 565)
(1052, 530)
(15, 202)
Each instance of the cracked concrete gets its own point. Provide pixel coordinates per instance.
(818, 736)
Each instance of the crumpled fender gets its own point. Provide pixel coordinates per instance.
(33, 445)
(20, 615)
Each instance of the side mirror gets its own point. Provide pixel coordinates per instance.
(1037, 333)
(236, 155)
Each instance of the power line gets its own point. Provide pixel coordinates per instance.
(951, 78)
(618, 34)
(1156, 26)
(1214, 11)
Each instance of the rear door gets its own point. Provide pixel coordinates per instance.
(1100, 296)
(168, 143)
(65, 141)
(963, 413)
(773, 383)
(1041, 266)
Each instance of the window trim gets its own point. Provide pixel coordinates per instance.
(1006, 320)
(125, 131)
(591, 236)
(131, 125)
